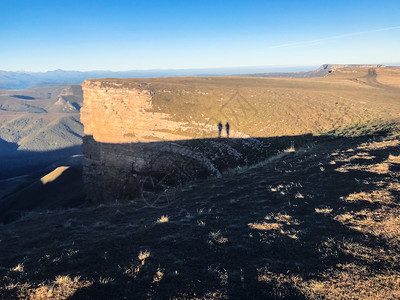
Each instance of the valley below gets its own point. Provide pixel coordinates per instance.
(40, 130)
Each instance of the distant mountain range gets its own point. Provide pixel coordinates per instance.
(23, 80)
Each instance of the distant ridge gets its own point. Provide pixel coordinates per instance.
(23, 80)
(320, 72)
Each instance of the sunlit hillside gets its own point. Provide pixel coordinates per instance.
(264, 107)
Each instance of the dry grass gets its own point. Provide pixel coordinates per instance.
(394, 159)
(278, 223)
(291, 148)
(371, 197)
(158, 276)
(143, 255)
(134, 269)
(106, 280)
(347, 282)
(368, 254)
(362, 155)
(381, 168)
(379, 145)
(265, 226)
(217, 238)
(395, 186)
(62, 287)
(162, 219)
(323, 210)
(380, 223)
(354, 284)
(283, 219)
(18, 268)
(274, 222)
(299, 196)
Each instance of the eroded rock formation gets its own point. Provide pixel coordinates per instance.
(124, 171)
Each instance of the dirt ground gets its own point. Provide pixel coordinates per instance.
(321, 222)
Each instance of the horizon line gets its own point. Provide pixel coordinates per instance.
(387, 64)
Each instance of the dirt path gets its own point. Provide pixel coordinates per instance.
(372, 79)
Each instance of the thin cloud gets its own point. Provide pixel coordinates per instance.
(311, 42)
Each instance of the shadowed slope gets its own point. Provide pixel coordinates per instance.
(315, 223)
(59, 189)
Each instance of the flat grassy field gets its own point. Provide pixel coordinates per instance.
(265, 107)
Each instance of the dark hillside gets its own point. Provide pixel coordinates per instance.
(315, 222)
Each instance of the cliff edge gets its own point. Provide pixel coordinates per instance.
(145, 135)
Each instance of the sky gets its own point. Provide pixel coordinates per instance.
(42, 35)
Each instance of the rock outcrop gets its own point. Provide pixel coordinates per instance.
(135, 144)
(115, 171)
(62, 106)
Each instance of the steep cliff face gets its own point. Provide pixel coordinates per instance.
(131, 111)
(114, 171)
(134, 144)
(122, 114)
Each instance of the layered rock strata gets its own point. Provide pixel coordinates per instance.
(134, 144)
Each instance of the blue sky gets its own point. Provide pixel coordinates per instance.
(38, 35)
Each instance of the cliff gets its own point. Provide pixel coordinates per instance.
(146, 138)
(131, 111)
(115, 171)
(145, 135)
(137, 143)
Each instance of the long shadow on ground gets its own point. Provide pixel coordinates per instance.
(258, 232)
